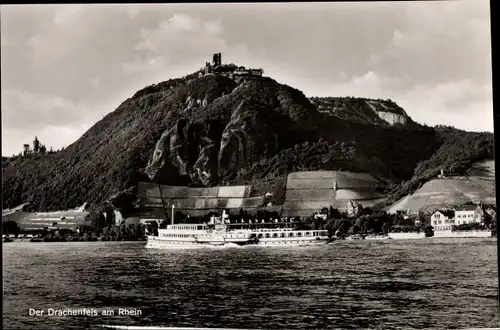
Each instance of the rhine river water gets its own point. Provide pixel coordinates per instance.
(425, 284)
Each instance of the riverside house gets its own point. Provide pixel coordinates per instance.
(443, 219)
(469, 214)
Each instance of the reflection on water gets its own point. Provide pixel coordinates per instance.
(436, 283)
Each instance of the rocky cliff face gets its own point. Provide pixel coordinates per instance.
(361, 110)
(218, 134)
(246, 139)
(188, 149)
(389, 112)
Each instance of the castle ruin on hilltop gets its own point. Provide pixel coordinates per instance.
(38, 148)
(228, 70)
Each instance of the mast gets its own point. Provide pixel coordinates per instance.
(172, 220)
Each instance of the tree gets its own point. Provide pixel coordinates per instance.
(152, 228)
(385, 227)
(367, 210)
(164, 224)
(334, 213)
(96, 219)
(10, 227)
(179, 217)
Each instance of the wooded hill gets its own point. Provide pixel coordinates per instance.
(213, 130)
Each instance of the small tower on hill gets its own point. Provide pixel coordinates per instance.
(26, 150)
(36, 145)
(217, 60)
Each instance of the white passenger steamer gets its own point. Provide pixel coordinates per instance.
(233, 234)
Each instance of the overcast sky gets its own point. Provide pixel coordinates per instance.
(64, 67)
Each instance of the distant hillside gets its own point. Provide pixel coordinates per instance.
(214, 130)
(457, 153)
(478, 185)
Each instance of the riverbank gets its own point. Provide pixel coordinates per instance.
(68, 240)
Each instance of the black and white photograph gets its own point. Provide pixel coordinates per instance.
(237, 166)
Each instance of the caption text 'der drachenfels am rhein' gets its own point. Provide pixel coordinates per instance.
(85, 312)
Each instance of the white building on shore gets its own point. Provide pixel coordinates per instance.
(443, 219)
(466, 214)
(463, 214)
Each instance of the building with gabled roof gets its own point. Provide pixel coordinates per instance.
(468, 213)
(443, 219)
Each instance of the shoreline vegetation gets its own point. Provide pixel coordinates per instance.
(338, 224)
(82, 234)
(73, 239)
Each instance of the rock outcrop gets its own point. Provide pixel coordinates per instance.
(204, 152)
(246, 139)
(388, 113)
(187, 150)
(158, 160)
(366, 111)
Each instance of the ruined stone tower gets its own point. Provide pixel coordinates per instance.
(217, 60)
(26, 149)
(36, 145)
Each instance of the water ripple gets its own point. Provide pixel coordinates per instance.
(433, 284)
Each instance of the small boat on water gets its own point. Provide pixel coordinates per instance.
(377, 237)
(367, 237)
(7, 240)
(36, 240)
(407, 235)
(355, 237)
(462, 233)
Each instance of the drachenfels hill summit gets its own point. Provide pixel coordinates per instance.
(227, 124)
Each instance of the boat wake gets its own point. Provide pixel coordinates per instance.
(224, 246)
(199, 246)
